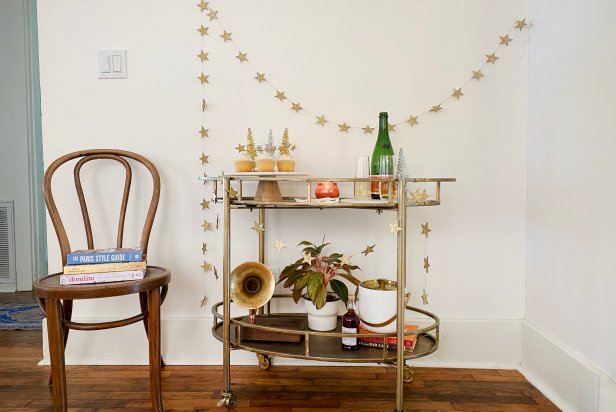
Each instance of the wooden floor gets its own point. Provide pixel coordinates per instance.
(23, 386)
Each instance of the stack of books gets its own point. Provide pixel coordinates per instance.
(377, 341)
(103, 265)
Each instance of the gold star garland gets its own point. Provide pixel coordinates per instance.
(207, 15)
(425, 230)
(344, 127)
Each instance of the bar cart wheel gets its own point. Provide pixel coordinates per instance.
(409, 374)
(264, 361)
(228, 400)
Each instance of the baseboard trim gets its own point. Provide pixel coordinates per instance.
(576, 385)
(8, 288)
(489, 344)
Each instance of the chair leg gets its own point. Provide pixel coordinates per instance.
(154, 348)
(55, 334)
(143, 301)
(67, 313)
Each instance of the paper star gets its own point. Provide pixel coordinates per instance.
(231, 192)
(242, 57)
(226, 36)
(203, 105)
(520, 24)
(203, 56)
(260, 77)
(416, 196)
(293, 147)
(379, 211)
(280, 96)
(296, 106)
(213, 15)
(240, 148)
(505, 39)
(345, 260)
(321, 120)
(204, 132)
(307, 258)
(491, 58)
(215, 272)
(457, 93)
(205, 78)
(368, 129)
(344, 127)
(425, 229)
(204, 248)
(368, 249)
(436, 109)
(424, 297)
(391, 127)
(207, 267)
(204, 301)
(204, 159)
(206, 225)
(203, 30)
(477, 75)
(412, 120)
(205, 204)
(258, 227)
(203, 5)
(426, 264)
(425, 196)
(394, 228)
(279, 245)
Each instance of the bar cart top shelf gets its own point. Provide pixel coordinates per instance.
(238, 198)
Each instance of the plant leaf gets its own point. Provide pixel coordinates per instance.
(297, 294)
(321, 297)
(340, 289)
(350, 278)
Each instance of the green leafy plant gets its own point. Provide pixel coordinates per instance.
(315, 272)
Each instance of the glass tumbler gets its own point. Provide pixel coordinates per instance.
(362, 170)
(386, 170)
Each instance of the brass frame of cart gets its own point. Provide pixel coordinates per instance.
(323, 346)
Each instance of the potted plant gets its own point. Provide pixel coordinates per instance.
(314, 272)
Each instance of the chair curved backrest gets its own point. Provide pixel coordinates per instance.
(120, 156)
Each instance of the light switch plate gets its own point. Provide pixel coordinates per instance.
(112, 64)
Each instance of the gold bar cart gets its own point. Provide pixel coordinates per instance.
(322, 346)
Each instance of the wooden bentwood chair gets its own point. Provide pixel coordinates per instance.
(57, 301)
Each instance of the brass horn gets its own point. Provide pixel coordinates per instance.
(252, 285)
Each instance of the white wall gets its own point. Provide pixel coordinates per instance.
(571, 242)
(347, 59)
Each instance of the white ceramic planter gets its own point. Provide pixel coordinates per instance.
(323, 319)
(377, 304)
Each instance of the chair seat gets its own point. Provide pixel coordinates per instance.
(49, 287)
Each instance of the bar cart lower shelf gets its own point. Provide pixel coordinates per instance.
(320, 346)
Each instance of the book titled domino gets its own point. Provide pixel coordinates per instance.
(104, 277)
(96, 256)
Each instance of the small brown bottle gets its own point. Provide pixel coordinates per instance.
(350, 324)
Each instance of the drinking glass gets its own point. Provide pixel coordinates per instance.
(386, 170)
(362, 170)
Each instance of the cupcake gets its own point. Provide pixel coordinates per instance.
(265, 162)
(244, 164)
(286, 163)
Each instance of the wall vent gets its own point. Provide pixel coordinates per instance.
(7, 243)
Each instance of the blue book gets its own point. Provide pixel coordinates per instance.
(95, 256)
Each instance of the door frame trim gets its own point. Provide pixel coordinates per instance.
(38, 230)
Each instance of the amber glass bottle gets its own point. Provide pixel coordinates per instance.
(350, 324)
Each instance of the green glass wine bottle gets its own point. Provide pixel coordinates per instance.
(382, 163)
